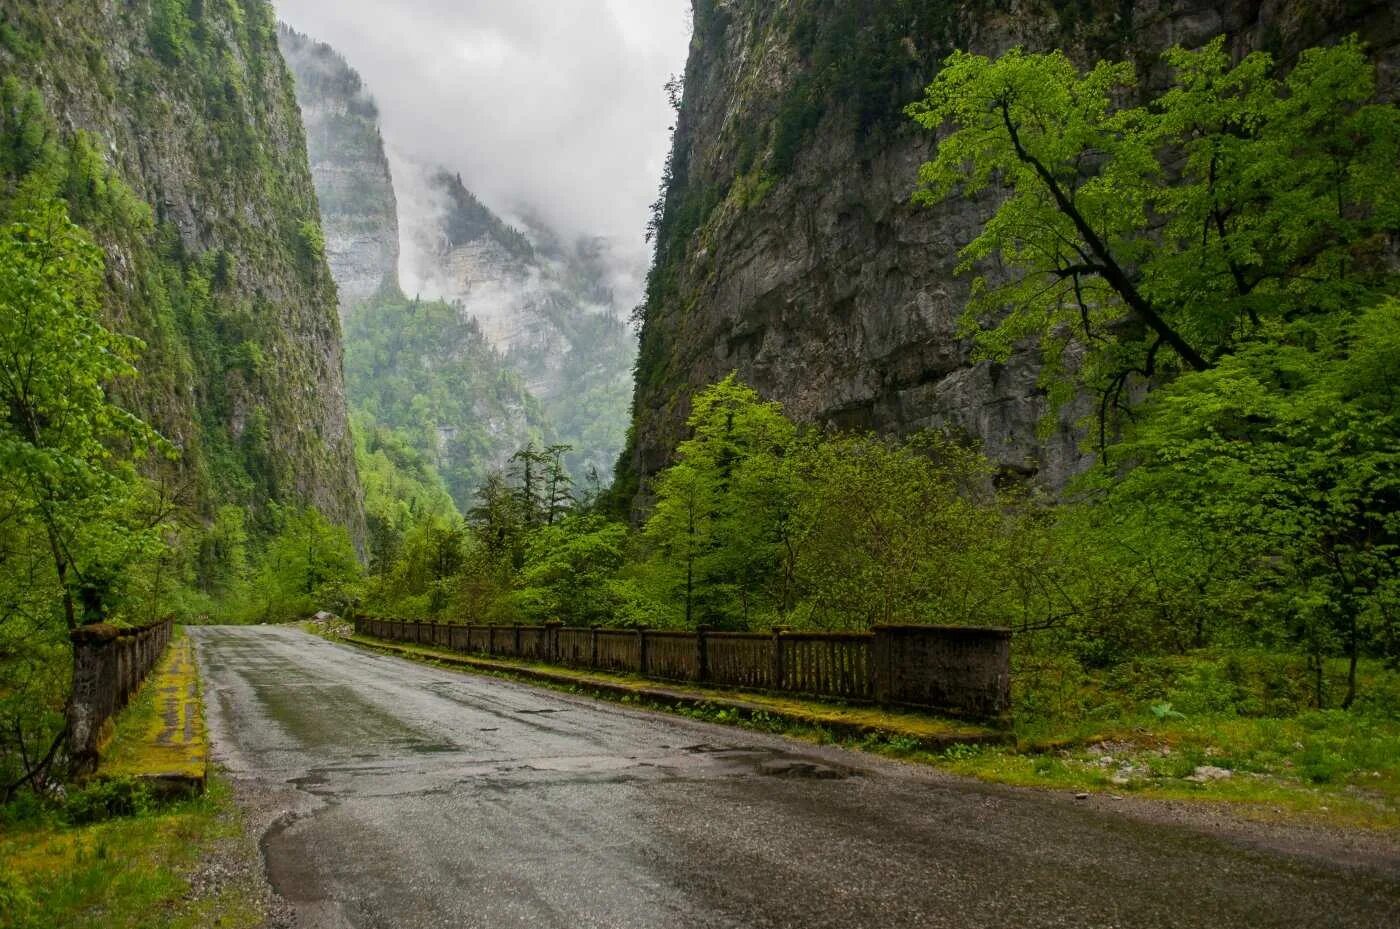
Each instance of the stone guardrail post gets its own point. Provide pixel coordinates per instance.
(95, 685)
(642, 652)
(551, 640)
(963, 670)
(702, 653)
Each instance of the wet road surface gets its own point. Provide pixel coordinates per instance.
(426, 798)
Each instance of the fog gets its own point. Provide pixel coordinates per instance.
(550, 107)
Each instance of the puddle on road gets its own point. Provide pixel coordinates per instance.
(431, 748)
(764, 762)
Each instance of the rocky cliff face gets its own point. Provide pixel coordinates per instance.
(349, 167)
(788, 250)
(192, 105)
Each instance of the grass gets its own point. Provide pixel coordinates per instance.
(133, 869)
(1119, 732)
(1329, 767)
(1228, 726)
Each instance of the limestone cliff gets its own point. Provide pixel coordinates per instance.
(192, 106)
(787, 247)
(349, 166)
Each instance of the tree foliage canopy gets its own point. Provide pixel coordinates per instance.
(1139, 238)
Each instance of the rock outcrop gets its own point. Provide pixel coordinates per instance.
(350, 169)
(192, 106)
(788, 249)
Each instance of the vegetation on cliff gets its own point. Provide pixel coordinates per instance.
(423, 369)
(222, 278)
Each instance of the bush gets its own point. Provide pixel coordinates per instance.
(106, 799)
(311, 242)
(170, 30)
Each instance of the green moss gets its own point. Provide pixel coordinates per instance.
(161, 734)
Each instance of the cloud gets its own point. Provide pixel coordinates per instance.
(553, 107)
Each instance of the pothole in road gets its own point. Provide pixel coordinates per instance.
(766, 762)
(790, 768)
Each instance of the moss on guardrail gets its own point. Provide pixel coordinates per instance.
(161, 737)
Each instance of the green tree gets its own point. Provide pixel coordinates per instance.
(1291, 446)
(1153, 238)
(70, 501)
(558, 485)
(56, 360)
(433, 554)
(898, 532)
(309, 564)
(568, 568)
(497, 519)
(527, 470)
(221, 560)
(722, 521)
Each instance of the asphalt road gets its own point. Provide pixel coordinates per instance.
(426, 798)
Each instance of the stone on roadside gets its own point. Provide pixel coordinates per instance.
(1207, 772)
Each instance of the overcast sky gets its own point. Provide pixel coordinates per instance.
(554, 103)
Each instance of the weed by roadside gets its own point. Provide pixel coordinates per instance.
(109, 856)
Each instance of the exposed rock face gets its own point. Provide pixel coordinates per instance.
(349, 167)
(789, 250)
(193, 106)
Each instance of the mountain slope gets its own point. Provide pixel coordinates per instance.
(541, 301)
(425, 371)
(192, 105)
(538, 352)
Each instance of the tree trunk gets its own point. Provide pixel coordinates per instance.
(1353, 647)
